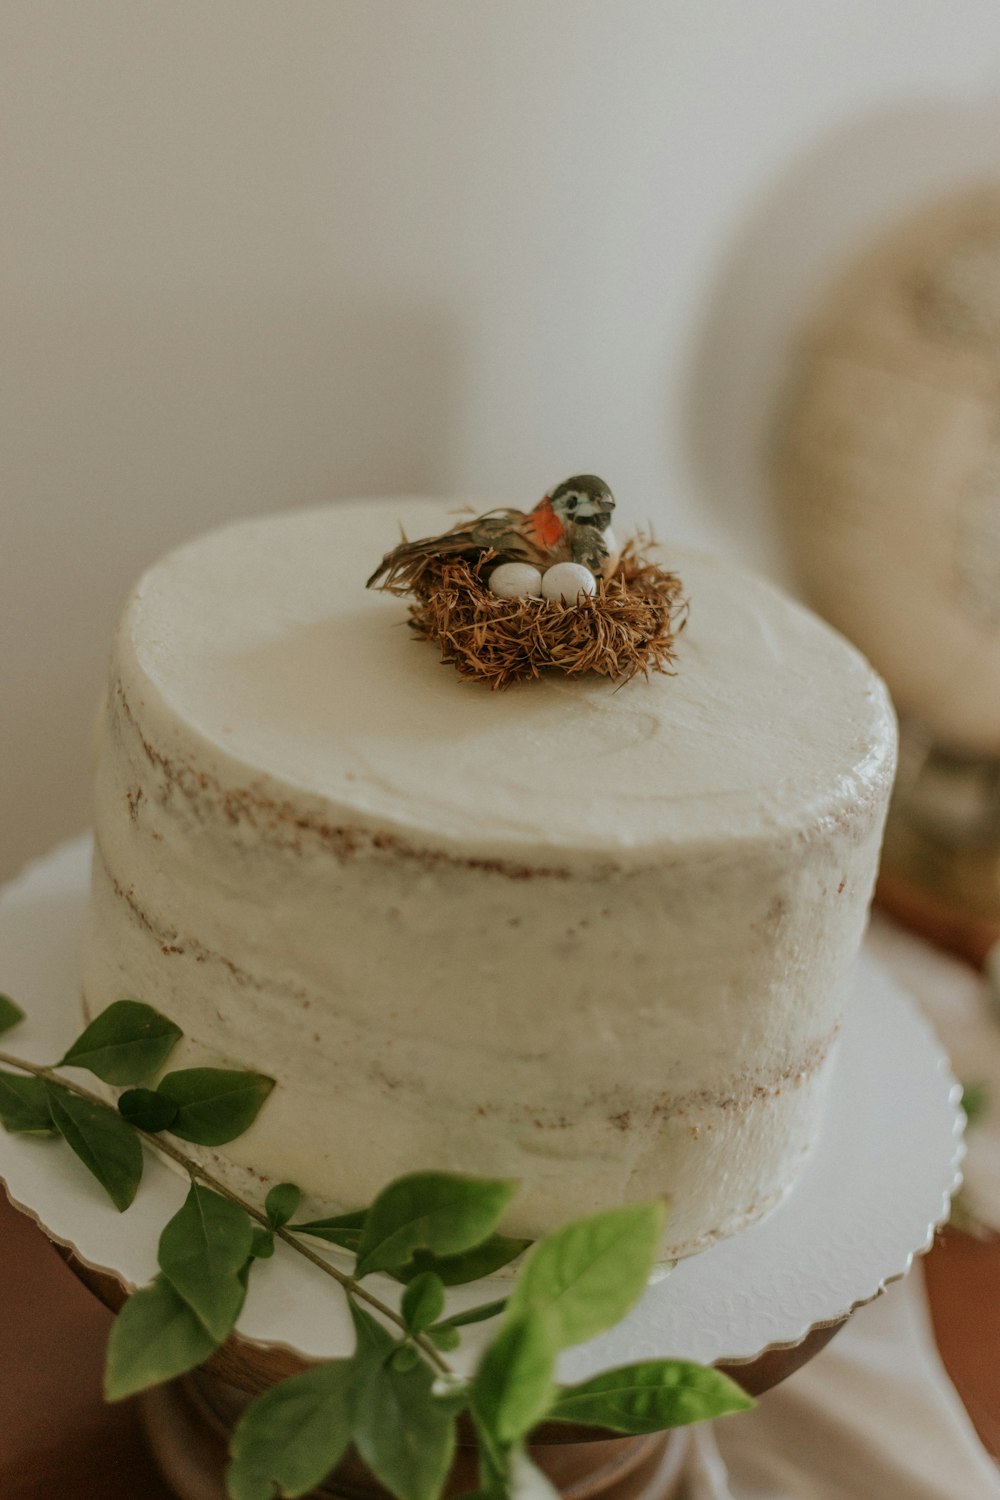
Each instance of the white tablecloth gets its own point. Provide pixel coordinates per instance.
(874, 1416)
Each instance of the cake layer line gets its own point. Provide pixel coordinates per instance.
(240, 804)
(730, 1097)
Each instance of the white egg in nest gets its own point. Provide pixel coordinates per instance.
(516, 580)
(566, 581)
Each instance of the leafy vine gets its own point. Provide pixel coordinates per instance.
(396, 1398)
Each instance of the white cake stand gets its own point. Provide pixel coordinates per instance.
(876, 1188)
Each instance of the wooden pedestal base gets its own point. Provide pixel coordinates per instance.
(188, 1425)
(956, 929)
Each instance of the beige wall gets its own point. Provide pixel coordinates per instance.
(256, 255)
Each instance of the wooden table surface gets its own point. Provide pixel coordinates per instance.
(58, 1441)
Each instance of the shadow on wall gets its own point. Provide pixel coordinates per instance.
(804, 232)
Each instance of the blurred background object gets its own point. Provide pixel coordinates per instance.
(888, 470)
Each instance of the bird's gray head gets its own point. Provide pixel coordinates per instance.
(584, 500)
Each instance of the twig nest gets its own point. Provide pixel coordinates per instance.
(515, 580)
(566, 581)
(624, 626)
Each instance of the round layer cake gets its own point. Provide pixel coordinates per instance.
(599, 940)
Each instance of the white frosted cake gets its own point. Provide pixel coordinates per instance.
(597, 940)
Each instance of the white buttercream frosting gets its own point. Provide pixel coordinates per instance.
(596, 939)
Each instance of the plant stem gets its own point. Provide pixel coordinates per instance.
(194, 1169)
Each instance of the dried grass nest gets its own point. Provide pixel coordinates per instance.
(630, 625)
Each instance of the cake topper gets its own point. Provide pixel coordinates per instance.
(572, 523)
(510, 593)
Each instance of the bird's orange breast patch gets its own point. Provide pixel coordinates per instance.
(547, 525)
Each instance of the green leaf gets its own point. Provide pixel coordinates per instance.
(147, 1109)
(438, 1211)
(423, 1302)
(472, 1265)
(374, 1341)
(342, 1229)
(508, 1474)
(480, 1314)
(403, 1433)
(24, 1105)
(293, 1435)
(10, 1013)
(444, 1337)
(201, 1252)
(650, 1397)
(513, 1386)
(405, 1357)
(262, 1244)
(125, 1044)
(587, 1275)
(214, 1105)
(975, 1101)
(281, 1203)
(155, 1337)
(107, 1147)
(494, 1462)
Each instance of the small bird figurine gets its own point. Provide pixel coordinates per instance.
(572, 523)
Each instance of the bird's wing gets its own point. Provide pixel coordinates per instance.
(496, 531)
(590, 548)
